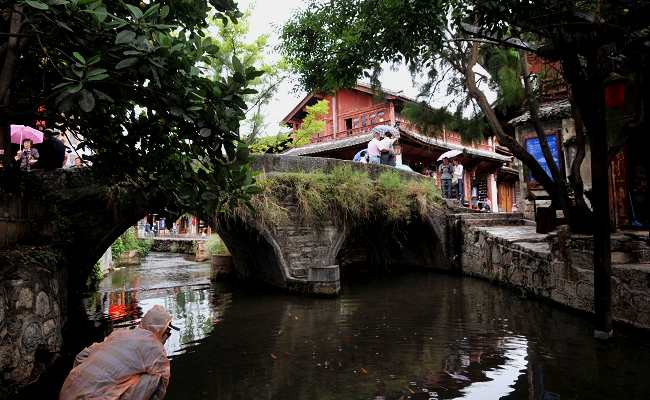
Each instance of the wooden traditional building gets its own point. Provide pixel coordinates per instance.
(354, 112)
(628, 166)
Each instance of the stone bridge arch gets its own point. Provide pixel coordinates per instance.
(308, 259)
(51, 241)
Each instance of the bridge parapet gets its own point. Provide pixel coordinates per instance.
(271, 163)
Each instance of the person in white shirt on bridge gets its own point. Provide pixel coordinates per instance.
(387, 150)
(374, 151)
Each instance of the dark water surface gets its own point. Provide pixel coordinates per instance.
(418, 335)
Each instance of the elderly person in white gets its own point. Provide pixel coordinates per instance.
(374, 151)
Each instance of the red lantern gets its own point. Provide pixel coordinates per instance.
(615, 94)
(40, 124)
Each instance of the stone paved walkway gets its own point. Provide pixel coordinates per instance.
(523, 235)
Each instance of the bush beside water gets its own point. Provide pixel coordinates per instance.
(129, 241)
(216, 246)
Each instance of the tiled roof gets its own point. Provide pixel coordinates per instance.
(550, 110)
(328, 146)
(434, 141)
(318, 148)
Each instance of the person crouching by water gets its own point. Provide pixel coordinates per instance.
(130, 364)
(446, 173)
(373, 149)
(27, 157)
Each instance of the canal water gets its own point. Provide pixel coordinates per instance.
(418, 335)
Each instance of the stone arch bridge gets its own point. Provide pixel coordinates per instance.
(309, 259)
(50, 241)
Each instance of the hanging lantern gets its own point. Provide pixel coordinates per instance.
(615, 91)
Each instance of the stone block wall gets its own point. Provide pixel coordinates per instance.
(32, 306)
(557, 266)
(18, 216)
(174, 246)
(305, 246)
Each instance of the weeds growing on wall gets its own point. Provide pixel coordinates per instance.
(343, 195)
(129, 241)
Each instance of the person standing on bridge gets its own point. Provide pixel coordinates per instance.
(374, 151)
(446, 173)
(457, 180)
(130, 364)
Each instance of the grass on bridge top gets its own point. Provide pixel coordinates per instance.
(342, 195)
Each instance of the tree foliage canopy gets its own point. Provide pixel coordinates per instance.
(232, 40)
(313, 124)
(132, 81)
(332, 44)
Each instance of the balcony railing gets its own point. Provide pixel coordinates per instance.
(348, 132)
(447, 137)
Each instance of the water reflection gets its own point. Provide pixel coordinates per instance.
(419, 336)
(180, 285)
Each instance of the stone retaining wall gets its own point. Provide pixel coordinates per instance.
(32, 298)
(174, 246)
(557, 266)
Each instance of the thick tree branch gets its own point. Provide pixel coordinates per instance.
(517, 149)
(533, 107)
(575, 178)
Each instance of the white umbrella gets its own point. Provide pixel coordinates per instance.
(450, 154)
(382, 129)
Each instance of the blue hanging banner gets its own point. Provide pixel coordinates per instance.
(535, 149)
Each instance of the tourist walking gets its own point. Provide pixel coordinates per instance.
(457, 180)
(373, 149)
(446, 173)
(130, 364)
(28, 156)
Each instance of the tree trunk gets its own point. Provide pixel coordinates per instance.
(602, 231)
(564, 202)
(6, 77)
(587, 88)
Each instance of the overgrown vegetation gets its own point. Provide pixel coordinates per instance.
(129, 241)
(216, 246)
(313, 124)
(343, 195)
(94, 277)
(271, 144)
